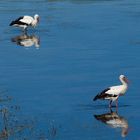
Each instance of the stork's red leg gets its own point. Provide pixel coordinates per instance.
(117, 103)
(110, 104)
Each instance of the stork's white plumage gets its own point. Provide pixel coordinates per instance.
(112, 93)
(25, 21)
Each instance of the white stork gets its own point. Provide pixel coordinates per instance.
(25, 21)
(112, 93)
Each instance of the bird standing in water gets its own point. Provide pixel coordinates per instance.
(112, 93)
(25, 21)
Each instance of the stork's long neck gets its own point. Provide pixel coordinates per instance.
(35, 21)
(123, 82)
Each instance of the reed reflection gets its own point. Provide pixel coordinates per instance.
(26, 40)
(114, 120)
(16, 125)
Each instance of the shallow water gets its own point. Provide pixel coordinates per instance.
(82, 46)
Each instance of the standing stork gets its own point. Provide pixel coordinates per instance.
(112, 93)
(25, 21)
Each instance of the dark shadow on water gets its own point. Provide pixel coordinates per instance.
(89, 107)
(97, 107)
(26, 40)
(115, 121)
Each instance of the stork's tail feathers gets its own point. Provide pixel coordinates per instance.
(101, 95)
(12, 23)
(96, 97)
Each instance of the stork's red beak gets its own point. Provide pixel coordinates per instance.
(126, 80)
(38, 19)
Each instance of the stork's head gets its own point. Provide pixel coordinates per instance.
(36, 17)
(123, 79)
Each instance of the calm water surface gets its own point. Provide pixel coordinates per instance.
(79, 48)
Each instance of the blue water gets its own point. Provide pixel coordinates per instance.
(84, 45)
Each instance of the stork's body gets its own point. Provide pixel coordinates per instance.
(112, 93)
(25, 21)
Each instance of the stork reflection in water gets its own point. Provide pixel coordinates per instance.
(26, 40)
(114, 120)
